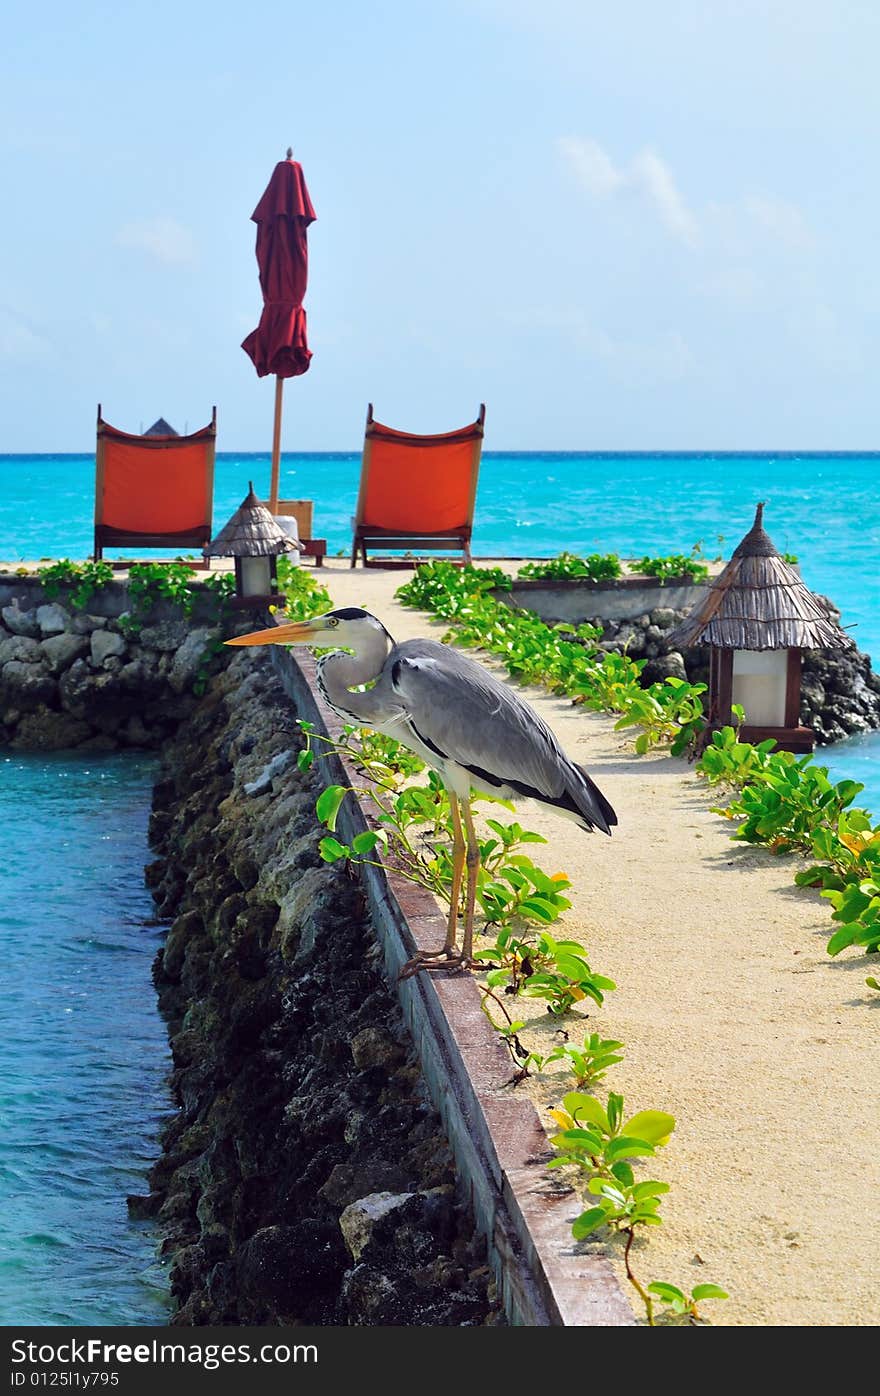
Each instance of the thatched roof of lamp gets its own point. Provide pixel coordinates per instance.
(161, 428)
(251, 532)
(760, 603)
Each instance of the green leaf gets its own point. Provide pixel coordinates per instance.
(327, 806)
(588, 1222)
(708, 1292)
(847, 935)
(649, 1189)
(624, 1147)
(582, 1139)
(539, 910)
(653, 1125)
(666, 1291)
(366, 841)
(623, 1173)
(586, 1107)
(331, 850)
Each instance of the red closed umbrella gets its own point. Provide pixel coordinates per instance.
(279, 345)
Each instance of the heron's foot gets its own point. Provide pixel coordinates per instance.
(445, 959)
(423, 958)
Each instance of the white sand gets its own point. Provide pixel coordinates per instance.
(734, 1019)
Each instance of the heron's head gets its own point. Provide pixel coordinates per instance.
(346, 628)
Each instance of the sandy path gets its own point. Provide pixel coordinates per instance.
(734, 1019)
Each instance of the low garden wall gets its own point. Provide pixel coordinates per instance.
(623, 598)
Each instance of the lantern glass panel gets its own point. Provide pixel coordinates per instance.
(759, 685)
(256, 576)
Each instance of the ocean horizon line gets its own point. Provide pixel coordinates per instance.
(497, 453)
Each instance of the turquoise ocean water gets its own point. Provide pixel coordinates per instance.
(83, 1052)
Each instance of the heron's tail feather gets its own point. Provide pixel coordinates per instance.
(592, 804)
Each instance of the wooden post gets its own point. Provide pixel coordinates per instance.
(276, 447)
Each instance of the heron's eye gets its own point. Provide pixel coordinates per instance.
(332, 620)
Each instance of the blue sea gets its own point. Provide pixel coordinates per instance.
(83, 1052)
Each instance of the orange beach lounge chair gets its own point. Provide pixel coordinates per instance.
(417, 491)
(156, 490)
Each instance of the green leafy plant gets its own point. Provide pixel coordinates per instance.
(728, 761)
(304, 595)
(590, 1062)
(675, 565)
(670, 713)
(682, 1308)
(857, 905)
(596, 567)
(603, 1145)
(787, 801)
(599, 1140)
(150, 583)
(80, 580)
(539, 966)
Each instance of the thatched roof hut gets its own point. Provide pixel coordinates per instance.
(251, 532)
(161, 428)
(760, 603)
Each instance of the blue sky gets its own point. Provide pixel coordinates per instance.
(629, 226)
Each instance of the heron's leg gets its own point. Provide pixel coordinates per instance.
(473, 867)
(458, 859)
(465, 957)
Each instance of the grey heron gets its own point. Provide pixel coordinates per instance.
(473, 729)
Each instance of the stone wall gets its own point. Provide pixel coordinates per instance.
(81, 678)
(621, 598)
(305, 1177)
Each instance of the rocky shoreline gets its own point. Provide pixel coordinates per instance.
(305, 1177)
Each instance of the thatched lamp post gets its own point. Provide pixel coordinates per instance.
(254, 540)
(757, 620)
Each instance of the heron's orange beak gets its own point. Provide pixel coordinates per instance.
(300, 632)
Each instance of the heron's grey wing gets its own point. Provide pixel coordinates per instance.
(457, 708)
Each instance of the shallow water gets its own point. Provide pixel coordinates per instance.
(83, 1052)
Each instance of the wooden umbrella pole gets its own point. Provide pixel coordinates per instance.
(276, 447)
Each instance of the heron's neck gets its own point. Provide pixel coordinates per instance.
(338, 673)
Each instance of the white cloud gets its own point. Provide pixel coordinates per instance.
(647, 175)
(654, 177)
(162, 238)
(730, 227)
(592, 166)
